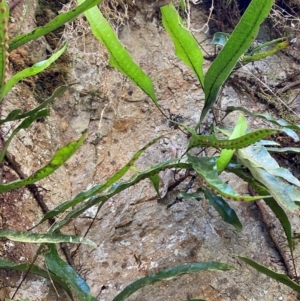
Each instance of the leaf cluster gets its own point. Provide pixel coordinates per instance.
(242, 151)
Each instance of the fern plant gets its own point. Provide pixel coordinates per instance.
(240, 150)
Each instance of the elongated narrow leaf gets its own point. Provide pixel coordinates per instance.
(282, 278)
(280, 122)
(100, 187)
(4, 16)
(52, 25)
(118, 187)
(17, 113)
(271, 202)
(119, 57)
(280, 183)
(226, 154)
(186, 46)
(295, 150)
(237, 143)
(24, 124)
(206, 169)
(36, 238)
(34, 269)
(61, 269)
(222, 207)
(33, 70)
(239, 41)
(59, 158)
(169, 274)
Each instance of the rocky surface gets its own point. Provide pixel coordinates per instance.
(135, 234)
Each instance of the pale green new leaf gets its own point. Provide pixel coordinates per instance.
(52, 25)
(169, 274)
(119, 57)
(226, 154)
(59, 158)
(33, 70)
(271, 202)
(186, 46)
(239, 41)
(36, 238)
(280, 183)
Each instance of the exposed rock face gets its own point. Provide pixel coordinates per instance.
(136, 235)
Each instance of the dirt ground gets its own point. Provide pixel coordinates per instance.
(135, 234)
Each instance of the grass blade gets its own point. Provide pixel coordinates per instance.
(119, 57)
(170, 273)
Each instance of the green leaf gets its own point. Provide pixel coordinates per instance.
(226, 154)
(34, 269)
(266, 170)
(52, 25)
(17, 113)
(295, 150)
(100, 187)
(33, 70)
(36, 238)
(155, 180)
(282, 278)
(225, 211)
(261, 55)
(206, 169)
(24, 124)
(59, 158)
(119, 57)
(195, 195)
(61, 269)
(186, 47)
(279, 122)
(118, 187)
(169, 274)
(239, 41)
(272, 203)
(237, 143)
(4, 16)
(220, 38)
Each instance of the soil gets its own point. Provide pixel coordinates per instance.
(136, 234)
